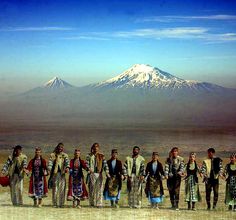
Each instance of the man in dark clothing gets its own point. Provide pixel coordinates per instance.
(211, 169)
(174, 168)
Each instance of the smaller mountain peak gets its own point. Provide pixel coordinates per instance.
(56, 83)
(55, 78)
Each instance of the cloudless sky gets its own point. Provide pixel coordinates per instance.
(86, 41)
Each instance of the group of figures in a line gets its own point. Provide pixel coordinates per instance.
(133, 170)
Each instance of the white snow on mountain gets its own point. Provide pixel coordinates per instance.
(56, 83)
(147, 77)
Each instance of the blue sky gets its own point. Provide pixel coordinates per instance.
(88, 41)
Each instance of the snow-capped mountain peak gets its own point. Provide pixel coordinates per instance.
(142, 76)
(56, 83)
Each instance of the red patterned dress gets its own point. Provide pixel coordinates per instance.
(77, 189)
(38, 184)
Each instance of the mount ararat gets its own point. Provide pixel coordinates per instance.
(140, 77)
(142, 94)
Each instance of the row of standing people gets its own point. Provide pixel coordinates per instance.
(133, 170)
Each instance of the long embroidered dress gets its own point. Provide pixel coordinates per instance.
(154, 187)
(230, 195)
(14, 169)
(38, 184)
(192, 193)
(77, 189)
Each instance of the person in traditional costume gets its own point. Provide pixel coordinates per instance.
(134, 170)
(154, 175)
(211, 169)
(114, 182)
(230, 174)
(38, 184)
(97, 164)
(15, 168)
(77, 189)
(192, 194)
(58, 166)
(174, 170)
